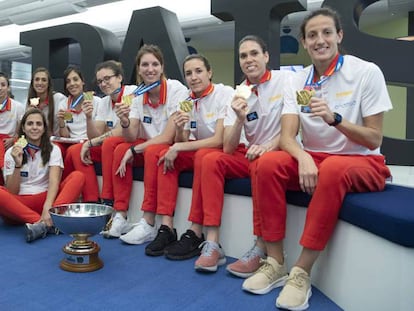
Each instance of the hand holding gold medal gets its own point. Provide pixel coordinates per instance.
(303, 98)
(67, 116)
(22, 142)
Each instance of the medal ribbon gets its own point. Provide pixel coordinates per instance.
(30, 150)
(206, 92)
(163, 95)
(120, 92)
(5, 105)
(72, 104)
(142, 88)
(334, 66)
(266, 77)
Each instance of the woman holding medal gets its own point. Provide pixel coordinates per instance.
(199, 131)
(42, 96)
(11, 112)
(251, 128)
(341, 134)
(149, 122)
(72, 121)
(109, 77)
(33, 168)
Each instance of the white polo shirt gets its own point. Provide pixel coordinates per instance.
(60, 103)
(9, 119)
(77, 126)
(356, 91)
(154, 120)
(34, 176)
(106, 112)
(208, 110)
(262, 123)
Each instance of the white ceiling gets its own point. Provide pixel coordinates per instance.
(194, 15)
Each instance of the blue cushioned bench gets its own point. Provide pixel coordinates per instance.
(388, 214)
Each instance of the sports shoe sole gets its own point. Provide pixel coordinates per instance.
(243, 275)
(303, 306)
(220, 262)
(267, 289)
(135, 242)
(189, 255)
(150, 252)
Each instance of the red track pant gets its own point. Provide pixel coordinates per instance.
(122, 186)
(17, 209)
(73, 162)
(338, 174)
(167, 184)
(207, 204)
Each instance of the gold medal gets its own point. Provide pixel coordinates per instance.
(22, 142)
(186, 105)
(67, 116)
(243, 91)
(303, 96)
(34, 101)
(127, 100)
(88, 95)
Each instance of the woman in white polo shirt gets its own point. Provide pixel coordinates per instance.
(11, 112)
(42, 96)
(341, 131)
(149, 122)
(32, 173)
(72, 120)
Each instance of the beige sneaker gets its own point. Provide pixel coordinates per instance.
(269, 276)
(297, 291)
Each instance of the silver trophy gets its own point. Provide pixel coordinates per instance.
(81, 220)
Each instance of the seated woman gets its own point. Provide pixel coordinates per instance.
(42, 96)
(150, 122)
(11, 113)
(72, 119)
(32, 172)
(199, 131)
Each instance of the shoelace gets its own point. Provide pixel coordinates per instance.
(267, 269)
(253, 252)
(298, 280)
(208, 248)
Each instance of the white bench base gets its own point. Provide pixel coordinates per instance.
(358, 270)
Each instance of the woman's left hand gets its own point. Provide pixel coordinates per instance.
(320, 108)
(45, 217)
(168, 158)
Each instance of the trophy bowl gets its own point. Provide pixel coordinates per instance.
(81, 220)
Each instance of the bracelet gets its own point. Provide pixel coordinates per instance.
(126, 126)
(132, 148)
(18, 166)
(90, 143)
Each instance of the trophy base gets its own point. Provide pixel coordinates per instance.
(81, 259)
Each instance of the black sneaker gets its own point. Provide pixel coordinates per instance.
(187, 247)
(35, 231)
(165, 237)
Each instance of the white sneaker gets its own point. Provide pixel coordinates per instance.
(141, 232)
(119, 225)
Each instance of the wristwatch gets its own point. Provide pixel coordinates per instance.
(337, 119)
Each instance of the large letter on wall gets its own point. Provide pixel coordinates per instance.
(260, 18)
(394, 57)
(50, 48)
(155, 26)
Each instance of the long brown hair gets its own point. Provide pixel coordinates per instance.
(45, 144)
(51, 102)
